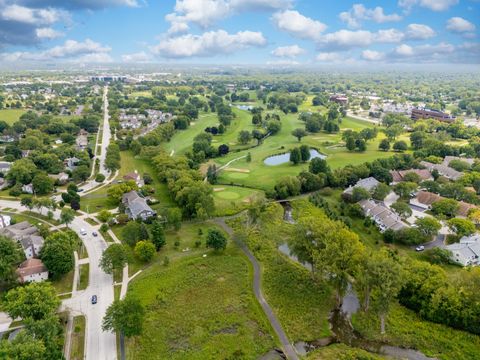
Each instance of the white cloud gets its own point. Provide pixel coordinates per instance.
(27, 15)
(419, 32)
(86, 51)
(388, 36)
(329, 56)
(207, 12)
(404, 50)
(208, 44)
(435, 5)
(359, 12)
(298, 25)
(288, 51)
(460, 25)
(138, 57)
(372, 55)
(347, 39)
(48, 33)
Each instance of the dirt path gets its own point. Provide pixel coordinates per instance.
(257, 289)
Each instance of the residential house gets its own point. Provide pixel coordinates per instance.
(71, 163)
(27, 188)
(5, 221)
(7, 138)
(81, 142)
(425, 199)
(443, 170)
(339, 99)
(25, 153)
(27, 235)
(5, 167)
(467, 251)
(398, 175)
(61, 178)
(32, 270)
(383, 217)
(368, 184)
(135, 176)
(136, 207)
(446, 161)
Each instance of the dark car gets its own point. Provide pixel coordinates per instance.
(94, 299)
(95, 233)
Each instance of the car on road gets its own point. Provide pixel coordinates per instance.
(94, 299)
(420, 248)
(83, 231)
(80, 190)
(95, 233)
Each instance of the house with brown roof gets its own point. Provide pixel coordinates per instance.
(32, 270)
(398, 175)
(425, 199)
(135, 176)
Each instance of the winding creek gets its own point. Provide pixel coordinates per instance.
(340, 323)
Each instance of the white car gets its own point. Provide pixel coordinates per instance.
(420, 248)
(83, 231)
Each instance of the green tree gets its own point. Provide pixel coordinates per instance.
(405, 189)
(402, 209)
(461, 227)
(359, 193)
(319, 165)
(67, 216)
(10, 257)
(305, 153)
(145, 250)
(104, 216)
(174, 218)
(384, 145)
(42, 184)
(158, 235)
(350, 143)
(35, 301)
(428, 226)
(57, 253)
(244, 137)
(216, 240)
(381, 191)
(114, 258)
(400, 146)
(299, 133)
(445, 207)
(131, 233)
(125, 316)
(295, 156)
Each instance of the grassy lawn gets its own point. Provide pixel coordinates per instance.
(301, 304)
(64, 284)
(223, 322)
(11, 115)
(84, 271)
(230, 200)
(78, 338)
(342, 352)
(406, 329)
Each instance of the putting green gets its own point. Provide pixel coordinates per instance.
(228, 195)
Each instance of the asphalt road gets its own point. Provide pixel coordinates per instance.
(99, 344)
(287, 347)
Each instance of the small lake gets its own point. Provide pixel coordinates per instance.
(285, 158)
(245, 107)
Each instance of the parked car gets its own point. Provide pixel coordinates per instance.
(94, 299)
(80, 190)
(95, 233)
(83, 231)
(420, 248)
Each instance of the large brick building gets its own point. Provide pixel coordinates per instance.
(421, 113)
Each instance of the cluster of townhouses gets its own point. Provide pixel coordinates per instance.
(152, 119)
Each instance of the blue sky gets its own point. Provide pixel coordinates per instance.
(274, 32)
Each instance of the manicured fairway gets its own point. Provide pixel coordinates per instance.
(232, 199)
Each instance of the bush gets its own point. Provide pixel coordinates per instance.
(100, 178)
(437, 256)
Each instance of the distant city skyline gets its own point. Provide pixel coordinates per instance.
(259, 32)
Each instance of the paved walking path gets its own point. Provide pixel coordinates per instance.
(257, 289)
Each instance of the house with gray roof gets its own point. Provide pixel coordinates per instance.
(27, 236)
(467, 251)
(368, 184)
(5, 167)
(383, 217)
(443, 170)
(136, 207)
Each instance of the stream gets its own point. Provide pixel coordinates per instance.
(340, 324)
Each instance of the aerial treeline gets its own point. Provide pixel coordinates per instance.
(186, 186)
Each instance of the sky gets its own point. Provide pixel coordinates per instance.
(261, 32)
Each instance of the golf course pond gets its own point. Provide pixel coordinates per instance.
(284, 158)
